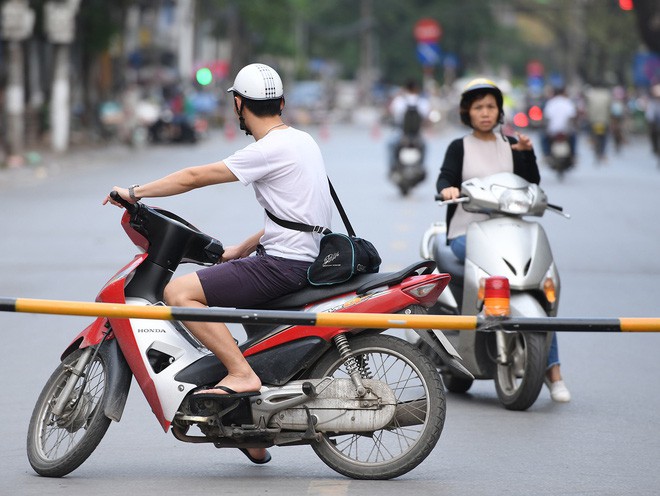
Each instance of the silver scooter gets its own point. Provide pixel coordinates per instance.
(503, 244)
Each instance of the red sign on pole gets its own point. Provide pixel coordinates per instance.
(427, 31)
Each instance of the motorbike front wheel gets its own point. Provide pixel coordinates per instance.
(519, 381)
(58, 444)
(418, 421)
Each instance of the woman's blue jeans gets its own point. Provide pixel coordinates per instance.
(458, 247)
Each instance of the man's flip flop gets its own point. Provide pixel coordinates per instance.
(258, 461)
(228, 393)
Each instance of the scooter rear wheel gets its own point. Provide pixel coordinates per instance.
(417, 424)
(58, 444)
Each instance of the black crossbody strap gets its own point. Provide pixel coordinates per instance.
(299, 226)
(342, 212)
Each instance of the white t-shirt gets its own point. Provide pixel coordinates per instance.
(400, 104)
(287, 173)
(559, 113)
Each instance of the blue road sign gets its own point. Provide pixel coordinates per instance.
(429, 53)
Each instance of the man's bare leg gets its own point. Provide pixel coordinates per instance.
(186, 291)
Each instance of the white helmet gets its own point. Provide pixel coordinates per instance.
(258, 82)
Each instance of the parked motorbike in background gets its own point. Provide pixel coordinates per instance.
(174, 128)
(371, 405)
(128, 125)
(503, 244)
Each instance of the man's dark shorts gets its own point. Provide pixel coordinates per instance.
(252, 281)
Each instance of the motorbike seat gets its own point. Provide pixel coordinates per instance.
(361, 284)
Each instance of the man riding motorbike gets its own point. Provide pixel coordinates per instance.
(286, 170)
(479, 154)
(409, 110)
(560, 114)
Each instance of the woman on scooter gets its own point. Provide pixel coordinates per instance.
(479, 154)
(287, 172)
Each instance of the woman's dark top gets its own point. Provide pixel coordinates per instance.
(451, 173)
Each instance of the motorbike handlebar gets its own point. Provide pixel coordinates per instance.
(441, 202)
(558, 210)
(130, 207)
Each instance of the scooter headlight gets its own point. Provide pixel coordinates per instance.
(513, 201)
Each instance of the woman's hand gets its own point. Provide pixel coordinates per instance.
(524, 143)
(450, 193)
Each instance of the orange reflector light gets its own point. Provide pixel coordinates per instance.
(497, 297)
(549, 290)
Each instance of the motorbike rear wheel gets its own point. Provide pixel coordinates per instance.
(519, 382)
(417, 425)
(58, 444)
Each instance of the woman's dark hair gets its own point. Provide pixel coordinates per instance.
(470, 97)
(264, 108)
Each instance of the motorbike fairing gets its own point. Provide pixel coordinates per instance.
(502, 246)
(274, 367)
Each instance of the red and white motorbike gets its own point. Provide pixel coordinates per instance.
(371, 405)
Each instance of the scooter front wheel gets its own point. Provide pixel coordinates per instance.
(58, 444)
(519, 381)
(418, 421)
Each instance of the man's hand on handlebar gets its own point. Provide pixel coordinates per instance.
(123, 193)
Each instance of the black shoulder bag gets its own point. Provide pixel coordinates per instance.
(341, 256)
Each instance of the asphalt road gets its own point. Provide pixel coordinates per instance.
(57, 241)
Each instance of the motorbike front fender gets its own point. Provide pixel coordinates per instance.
(525, 305)
(118, 382)
(118, 372)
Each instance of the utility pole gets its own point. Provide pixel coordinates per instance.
(17, 25)
(60, 28)
(184, 42)
(367, 70)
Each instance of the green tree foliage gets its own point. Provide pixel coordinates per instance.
(482, 35)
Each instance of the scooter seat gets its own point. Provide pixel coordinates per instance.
(361, 284)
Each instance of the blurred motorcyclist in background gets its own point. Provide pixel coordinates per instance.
(560, 114)
(618, 117)
(653, 119)
(409, 111)
(479, 154)
(598, 106)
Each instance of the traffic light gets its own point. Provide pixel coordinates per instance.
(626, 4)
(204, 76)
